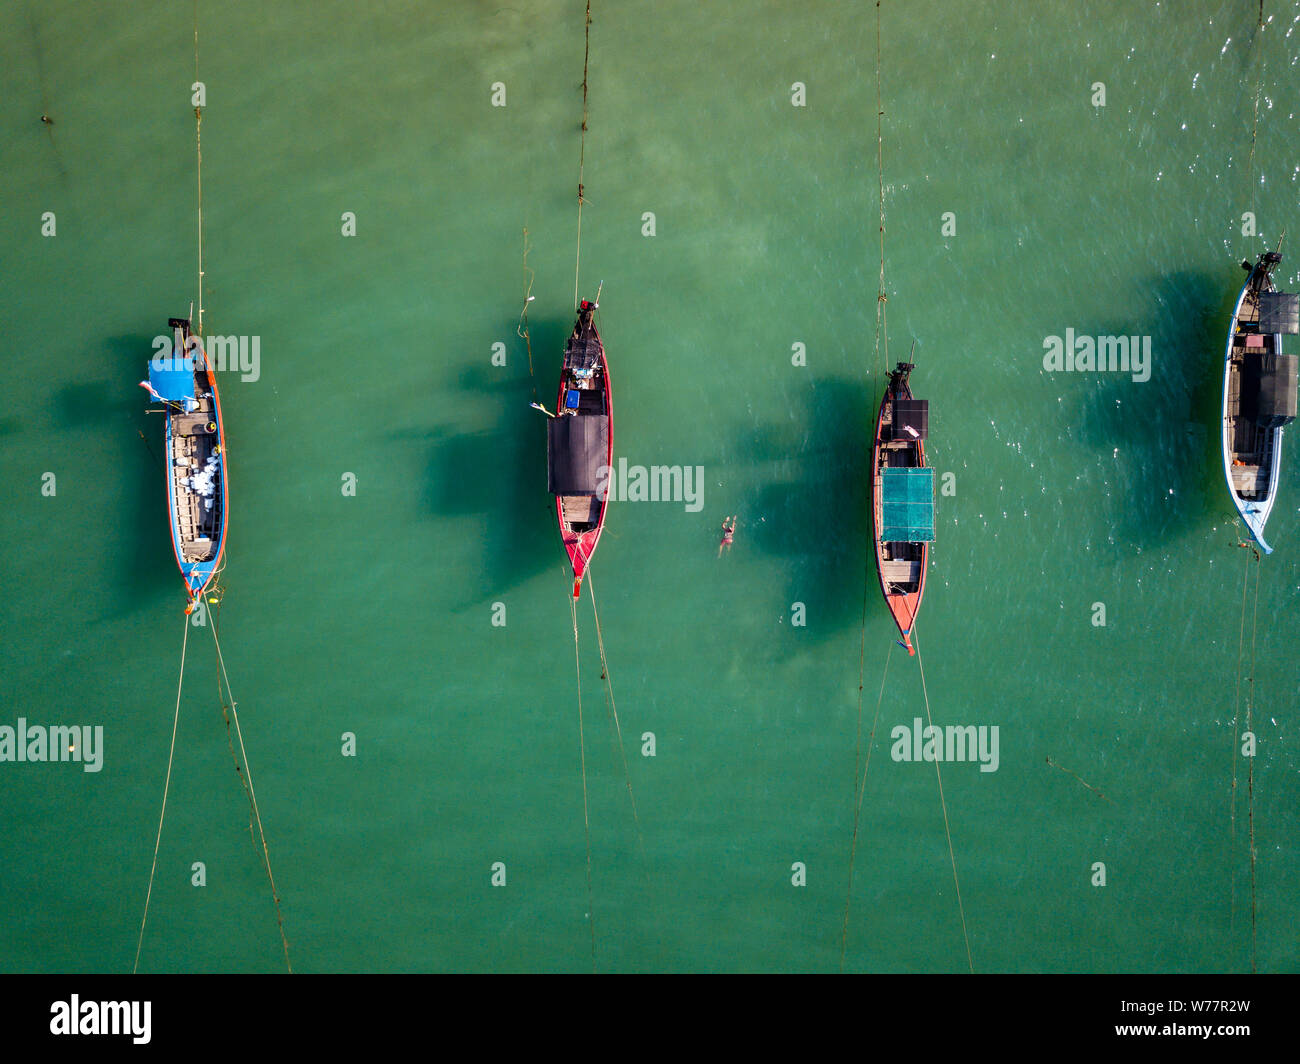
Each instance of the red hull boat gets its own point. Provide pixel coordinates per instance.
(580, 444)
(902, 500)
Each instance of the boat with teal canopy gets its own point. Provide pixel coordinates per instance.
(194, 440)
(902, 500)
(907, 505)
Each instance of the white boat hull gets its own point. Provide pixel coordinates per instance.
(1254, 512)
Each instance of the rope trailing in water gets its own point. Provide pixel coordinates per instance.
(582, 749)
(152, 453)
(1080, 779)
(198, 148)
(582, 152)
(1250, 770)
(522, 328)
(1254, 125)
(861, 788)
(947, 830)
(882, 330)
(171, 756)
(1236, 747)
(613, 709)
(246, 776)
(214, 595)
(881, 335)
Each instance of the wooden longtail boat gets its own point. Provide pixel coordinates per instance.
(902, 495)
(1259, 392)
(580, 444)
(186, 386)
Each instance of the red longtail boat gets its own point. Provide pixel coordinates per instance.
(902, 496)
(580, 444)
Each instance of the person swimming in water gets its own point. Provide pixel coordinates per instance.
(728, 533)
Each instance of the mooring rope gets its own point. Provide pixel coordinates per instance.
(582, 749)
(1253, 554)
(1236, 744)
(247, 777)
(1090, 787)
(1250, 769)
(198, 147)
(868, 561)
(882, 331)
(522, 328)
(1254, 125)
(152, 453)
(947, 830)
(613, 709)
(582, 152)
(861, 789)
(171, 756)
(214, 596)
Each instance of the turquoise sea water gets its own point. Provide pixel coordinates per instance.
(372, 613)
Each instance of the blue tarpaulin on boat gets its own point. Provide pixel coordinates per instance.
(907, 505)
(172, 378)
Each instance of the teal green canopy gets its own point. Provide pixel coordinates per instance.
(907, 505)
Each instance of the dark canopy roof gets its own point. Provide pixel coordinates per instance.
(1279, 312)
(583, 352)
(577, 446)
(913, 414)
(1270, 390)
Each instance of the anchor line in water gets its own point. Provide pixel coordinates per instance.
(881, 335)
(167, 782)
(214, 597)
(1085, 783)
(1254, 125)
(152, 453)
(860, 789)
(246, 777)
(1237, 733)
(882, 330)
(613, 709)
(198, 149)
(1250, 768)
(582, 152)
(947, 830)
(582, 750)
(522, 328)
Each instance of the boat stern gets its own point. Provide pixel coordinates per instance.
(197, 576)
(578, 559)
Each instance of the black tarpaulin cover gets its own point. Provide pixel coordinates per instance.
(583, 352)
(1275, 400)
(577, 446)
(913, 415)
(1279, 312)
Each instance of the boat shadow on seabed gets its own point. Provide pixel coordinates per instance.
(139, 513)
(811, 505)
(497, 474)
(1166, 480)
